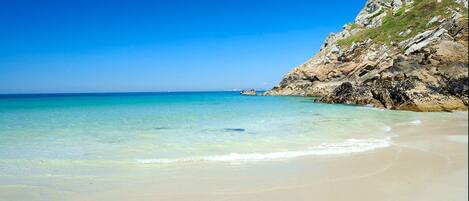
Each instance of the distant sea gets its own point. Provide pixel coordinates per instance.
(38, 131)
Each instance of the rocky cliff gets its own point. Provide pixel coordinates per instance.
(398, 54)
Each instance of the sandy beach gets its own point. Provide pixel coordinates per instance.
(426, 161)
(359, 100)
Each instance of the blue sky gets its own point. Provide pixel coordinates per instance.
(172, 45)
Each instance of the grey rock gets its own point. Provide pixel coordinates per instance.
(250, 92)
(463, 2)
(422, 40)
(433, 20)
(426, 72)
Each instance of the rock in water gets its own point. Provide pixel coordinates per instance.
(391, 57)
(250, 92)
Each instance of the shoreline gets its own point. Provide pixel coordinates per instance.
(426, 161)
(318, 99)
(417, 166)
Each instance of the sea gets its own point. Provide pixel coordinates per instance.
(44, 133)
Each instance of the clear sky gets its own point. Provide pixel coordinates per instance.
(172, 45)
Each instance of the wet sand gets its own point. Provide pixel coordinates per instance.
(426, 162)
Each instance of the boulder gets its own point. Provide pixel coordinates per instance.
(250, 92)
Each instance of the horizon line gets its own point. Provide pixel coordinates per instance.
(126, 92)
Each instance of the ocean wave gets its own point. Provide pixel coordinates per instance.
(349, 146)
(387, 129)
(416, 122)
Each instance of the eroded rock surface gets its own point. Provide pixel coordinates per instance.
(250, 92)
(420, 67)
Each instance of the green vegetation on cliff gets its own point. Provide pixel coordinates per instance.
(412, 18)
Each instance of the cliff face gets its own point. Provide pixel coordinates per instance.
(398, 54)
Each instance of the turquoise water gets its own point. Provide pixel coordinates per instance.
(152, 128)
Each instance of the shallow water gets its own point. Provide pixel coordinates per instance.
(111, 130)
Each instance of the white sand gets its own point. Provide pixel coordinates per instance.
(426, 162)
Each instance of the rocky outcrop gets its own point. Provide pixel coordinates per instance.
(250, 92)
(417, 65)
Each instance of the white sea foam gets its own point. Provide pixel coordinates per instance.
(349, 146)
(416, 122)
(387, 129)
